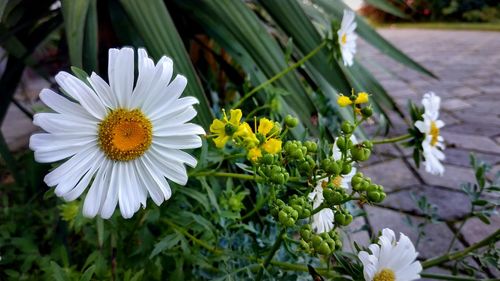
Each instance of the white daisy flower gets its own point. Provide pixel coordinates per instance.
(122, 140)
(430, 126)
(322, 221)
(391, 260)
(347, 37)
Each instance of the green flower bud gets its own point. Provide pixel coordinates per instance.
(347, 127)
(368, 144)
(291, 122)
(341, 143)
(339, 218)
(323, 248)
(311, 146)
(267, 159)
(367, 111)
(316, 241)
(304, 245)
(306, 233)
(346, 168)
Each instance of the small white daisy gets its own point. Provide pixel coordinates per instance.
(347, 37)
(122, 140)
(322, 221)
(391, 260)
(343, 180)
(430, 126)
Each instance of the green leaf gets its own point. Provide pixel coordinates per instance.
(336, 9)
(57, 272)
(483, 218)
(388, 7)
(87, 275)
(152, 20)
(90, 44)
(166, 243)
(479, 202)
(75, 14)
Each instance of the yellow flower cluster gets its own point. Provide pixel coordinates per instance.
(345, 100)
(264, 140)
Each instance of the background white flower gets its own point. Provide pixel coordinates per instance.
(391, 260)
(430, 126)
(347, 37)
(122, 140)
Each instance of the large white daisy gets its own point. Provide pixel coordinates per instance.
(122, 139)
(430, 126)
(391, 260)
(322, 221)
(347, 37)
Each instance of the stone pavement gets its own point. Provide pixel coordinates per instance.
(468, 66)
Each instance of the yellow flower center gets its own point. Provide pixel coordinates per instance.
(337, 181)
(434, 132)
(125, 134)
(343, 40)
(385, 275)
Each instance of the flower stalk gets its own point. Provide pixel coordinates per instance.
(392, 140)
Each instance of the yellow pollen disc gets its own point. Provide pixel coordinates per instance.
(344, 39)
(125, 134)
(385, 275)
(337, 181)
(434, 132)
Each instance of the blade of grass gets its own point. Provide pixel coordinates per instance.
(75, 14)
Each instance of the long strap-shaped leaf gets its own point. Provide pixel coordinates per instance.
(248, 31)
(75, 14)
(158, 31)
(371, 36)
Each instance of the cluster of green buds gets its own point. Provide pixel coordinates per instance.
(343, 217)
(271, 171)
(335, 195)
(301, 154)
(298, 208)
(324, 243)
(362, 151)
(363, 185)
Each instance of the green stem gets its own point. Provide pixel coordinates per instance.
(391, 140)
(279, 75)
(297, 267)
(274, 249)
(460, 254)
(452, 278)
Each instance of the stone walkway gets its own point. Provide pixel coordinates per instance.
(468, 66)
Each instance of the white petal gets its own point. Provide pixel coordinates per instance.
(82, 93)
(146, 69)
(167, 96)
(176, 117)
(96, 195)
(77, 162)
(121, 74)
(179, 130)
(84, 182)
(178, 142)
(173, 170)
(175, 155)
(162, 74)
(111, 198)
(62, 105)
(128, 198)
(103, 90)
(155, 175)
(55, 142)
(65, 124)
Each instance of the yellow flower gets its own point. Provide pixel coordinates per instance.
(224, 128)
(254, 154)
(272, 146)
(344, 101)
(362, 98)
(265, 126)
(247, 136)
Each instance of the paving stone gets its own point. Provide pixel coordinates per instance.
(441, 198)
(465, 92)
(472, 142)
(393, 175)
(460, 157)
(453, 177)
(495, 90)
(478, 129)
(435, 242)
(17, 128)
(355, 232)
(474, 230)
(455, 104)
